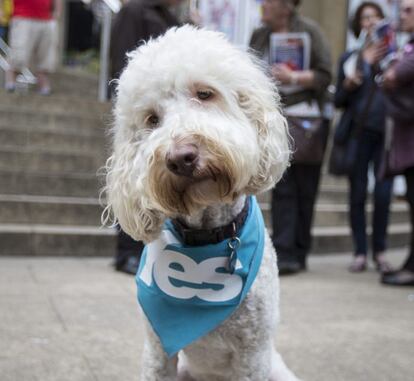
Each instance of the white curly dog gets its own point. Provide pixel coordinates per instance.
(197, 131)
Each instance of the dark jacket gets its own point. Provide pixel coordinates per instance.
(355, 103)
(402, 143)
(320, 58)
(137, 22)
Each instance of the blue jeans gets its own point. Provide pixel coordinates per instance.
(3, 33)
(370, 149)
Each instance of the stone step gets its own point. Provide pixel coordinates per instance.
(87, 211)
(82, 140)
(338, 215)
(46, 184)
(75, 81)
(56, 103)
(29, 159)
(29, 239)
(15, 116)
(70, 82)
(52, 240)
(338, 239)
(326, 195)
(27, 209)
(334, 181)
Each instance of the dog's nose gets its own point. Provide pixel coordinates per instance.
(182, 160)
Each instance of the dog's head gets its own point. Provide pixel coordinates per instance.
(197, 122)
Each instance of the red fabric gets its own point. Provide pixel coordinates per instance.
(33, 9)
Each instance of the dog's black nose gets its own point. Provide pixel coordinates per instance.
(182, 159)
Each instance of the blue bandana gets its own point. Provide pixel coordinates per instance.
(187, 291)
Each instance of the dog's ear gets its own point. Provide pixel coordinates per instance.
(126, 202)
(260, 102)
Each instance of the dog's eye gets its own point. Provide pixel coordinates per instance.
(203, 95)
(153, 120)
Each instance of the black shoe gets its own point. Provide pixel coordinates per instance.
(399, 278)
(289, 267)
(130, 266)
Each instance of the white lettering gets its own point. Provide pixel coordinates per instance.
(170, 268)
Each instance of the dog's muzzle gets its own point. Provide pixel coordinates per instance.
(182, 159)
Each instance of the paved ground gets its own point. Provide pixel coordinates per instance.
(76, 319)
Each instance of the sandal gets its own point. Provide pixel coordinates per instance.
(382, 265)
(358, 264)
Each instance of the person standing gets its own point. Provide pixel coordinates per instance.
(6, 8)
(33, 39)
(294, 197)
(363, 107)
(136, 22)
(399, 85)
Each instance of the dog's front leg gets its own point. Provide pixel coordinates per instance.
(252, 363)
(156, 366)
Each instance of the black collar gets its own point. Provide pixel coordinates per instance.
(200, 237)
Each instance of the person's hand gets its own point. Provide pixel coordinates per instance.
(389, 79)
(351, 83)
(195, 17)
(282, 73)
(374, 52)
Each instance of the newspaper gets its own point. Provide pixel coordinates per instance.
(384, 32)
(304, 110)
(293, 50)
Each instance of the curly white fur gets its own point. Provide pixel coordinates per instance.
(243, 146)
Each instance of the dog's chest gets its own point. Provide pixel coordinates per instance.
(251, 324)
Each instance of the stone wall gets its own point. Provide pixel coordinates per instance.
(332, 17)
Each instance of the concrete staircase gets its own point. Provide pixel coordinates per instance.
(50, 151)
(331, 232)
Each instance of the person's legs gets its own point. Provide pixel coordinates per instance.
(382, 199)
(21, 49)
(357, 196)
(307, 178)
(46, 54)
(284, 221)
(409, 176)
(405, 276)
(128, 253)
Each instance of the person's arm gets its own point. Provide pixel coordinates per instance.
(319, 76)
(343, 89)
(399, 74)
(404, 70)
(1, 10)
(127, 32)
(287, 76)
(57, 9)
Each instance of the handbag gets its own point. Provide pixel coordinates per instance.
(343, 154)
(310, 135)
(309, 131)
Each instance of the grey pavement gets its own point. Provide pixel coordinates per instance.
(75, 319)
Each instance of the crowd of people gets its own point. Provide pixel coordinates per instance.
(376, 101)
(362, 96)
(32, 34)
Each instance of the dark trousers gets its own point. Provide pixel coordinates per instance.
(409, 177)
(126, 247)
(370, 149)
(293, 201)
